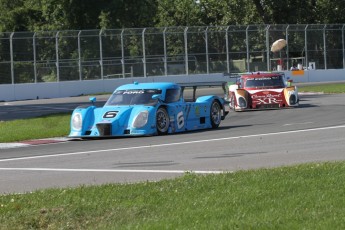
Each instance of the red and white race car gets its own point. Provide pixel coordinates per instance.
(262, 91)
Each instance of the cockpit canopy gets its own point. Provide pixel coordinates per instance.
(133, 97)
(275, 81)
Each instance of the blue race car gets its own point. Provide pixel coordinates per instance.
(141, 109)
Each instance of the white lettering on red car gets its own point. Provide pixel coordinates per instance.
(266, 99)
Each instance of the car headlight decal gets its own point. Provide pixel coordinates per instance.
(77, 121)
(141, 119)
(242, 102)
(292, 100)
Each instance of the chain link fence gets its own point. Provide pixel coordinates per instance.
(54, 56)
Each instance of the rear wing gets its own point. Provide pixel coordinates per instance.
(237, 76)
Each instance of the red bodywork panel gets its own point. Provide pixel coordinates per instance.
(266, 99)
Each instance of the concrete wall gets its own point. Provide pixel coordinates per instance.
(317, 75)
(9, 92)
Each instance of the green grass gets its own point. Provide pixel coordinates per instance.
(301, 197)
(325, 88)
(55, 125)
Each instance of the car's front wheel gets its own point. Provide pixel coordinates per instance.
(215, 114)
(162, 121)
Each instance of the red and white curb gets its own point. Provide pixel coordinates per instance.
(32, 142)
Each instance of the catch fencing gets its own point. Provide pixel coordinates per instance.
(59, 56)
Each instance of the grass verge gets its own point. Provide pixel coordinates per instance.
(54, 125)
(325, 88)
(307, 196)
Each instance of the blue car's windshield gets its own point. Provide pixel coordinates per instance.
(133, 97)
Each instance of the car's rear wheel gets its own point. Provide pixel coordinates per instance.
(215, 114)
(162, 121)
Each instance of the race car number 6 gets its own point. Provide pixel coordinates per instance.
(180, 120)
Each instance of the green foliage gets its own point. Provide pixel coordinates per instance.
(243, 12)
(46, 15)
(42, 15)
(329, 12)
(49, 77)
(178, 13)
(309, 196)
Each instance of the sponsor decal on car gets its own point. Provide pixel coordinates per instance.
(180, 120)
(266, 99)
(197, 111)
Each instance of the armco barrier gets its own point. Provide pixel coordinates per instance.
(28, 91)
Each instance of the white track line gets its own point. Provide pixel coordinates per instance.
(303, 123)
(12, 145)
(171, 144)
(116, 170)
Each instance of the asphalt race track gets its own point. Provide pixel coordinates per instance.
(313, 132)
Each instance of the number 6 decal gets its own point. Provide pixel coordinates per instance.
(180, 120)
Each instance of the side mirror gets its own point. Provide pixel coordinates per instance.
(157, 96)
(92, 99)
(289, 82)
(233, 88)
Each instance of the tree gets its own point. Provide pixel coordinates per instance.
(243, 12)
(38, 15)
(17, 15)
(128, 14)
(329, 11)
(42, 15)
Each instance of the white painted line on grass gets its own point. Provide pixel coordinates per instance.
(171, 144)
(116, 170)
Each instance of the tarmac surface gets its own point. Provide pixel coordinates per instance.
(313, 132)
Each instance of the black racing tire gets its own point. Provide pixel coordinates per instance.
(215, 114)
(162, 121)
(232, 102)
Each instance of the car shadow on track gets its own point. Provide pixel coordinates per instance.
(230, 155)
(303, 103)
(189, 132)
